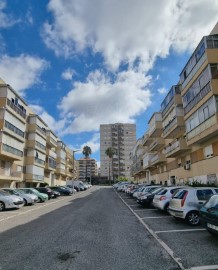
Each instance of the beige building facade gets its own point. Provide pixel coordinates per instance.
(122, 138)
(87, 169)
(30, 153)
(181, 143)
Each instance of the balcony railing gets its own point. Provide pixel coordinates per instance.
(16, 108)
(10, 173)
(39, 161)
(169, 125)
(204, 91)
(41, 130)
(38, 177)
(172, 147)
(12, 150)
(202, 127)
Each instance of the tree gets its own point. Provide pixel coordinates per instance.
(110, 153)
(87, 151)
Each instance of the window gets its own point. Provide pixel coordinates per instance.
(204, 194)
(208, 151)
(180, 194)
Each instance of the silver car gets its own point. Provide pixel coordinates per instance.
(162, 199)
(8, 201)
(186, 202)
(28, 199)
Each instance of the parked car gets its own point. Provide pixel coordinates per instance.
(61, 190)
(8, 201)
(28, 199)
(186, 203)
(147, 198)
(145, 190)
(46, 190)
(209, 215)
(162, 198)
(41, 196)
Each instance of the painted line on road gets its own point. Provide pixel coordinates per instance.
(157, 217)
(184, 230)
(164, 245)
(144, 209)
(133, 205)
(205, 267)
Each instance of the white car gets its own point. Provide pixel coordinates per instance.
(8, 201)
(28, 199)
(162, 199)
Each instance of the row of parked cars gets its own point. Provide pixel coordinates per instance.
(14, 198)
(194, 204)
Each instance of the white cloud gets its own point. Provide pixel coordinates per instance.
(100, 100)
(68, 74)
(128, 31)
(93, 143)
(21, 72)
(6, 19)
(162, 90)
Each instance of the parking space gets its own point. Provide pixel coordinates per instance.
(192, 247)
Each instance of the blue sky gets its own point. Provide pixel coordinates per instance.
(82, 63)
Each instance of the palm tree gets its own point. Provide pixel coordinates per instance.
(87, 151)
(110, 152)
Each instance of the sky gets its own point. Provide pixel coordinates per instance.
(82, 63)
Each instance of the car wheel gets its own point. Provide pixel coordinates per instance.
(166, 208)
(25, 202)
(193, 218)
(2, 206)
(40, 200)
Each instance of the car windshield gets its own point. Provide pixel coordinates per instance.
(157, 190)
(213, 202)
(4, 193)
(162, 191)
(179, 194)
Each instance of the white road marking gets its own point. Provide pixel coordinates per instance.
(133, 205)
(205, 267)
(157, 217)
(184, 230)
(144, 209)
(164, 245)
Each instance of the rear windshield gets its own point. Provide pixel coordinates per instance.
(204, 194)
(179, 194)
(213, 202)
(156, 191)
(162, 192)
(172, 191)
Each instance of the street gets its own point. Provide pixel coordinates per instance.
(90, 230)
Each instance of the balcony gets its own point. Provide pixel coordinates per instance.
(204, 91)
(204, 131)
(60, 171)
(51, 153)
(175, 126)
(155, 125)
(34, 178)
(173, 98)
(8, 152)
(10, 175)
(176, 148)
(15, 108)
(157, 144)
(147, 140)
(157, 159)
(33, 144)
(50, 139)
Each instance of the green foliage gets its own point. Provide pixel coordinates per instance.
(44, 184)
(87, 151)
(196, 183)
(122, 179)
(110, 152)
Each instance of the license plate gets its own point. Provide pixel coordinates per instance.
(211, 226)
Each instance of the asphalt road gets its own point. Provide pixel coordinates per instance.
(92, 230)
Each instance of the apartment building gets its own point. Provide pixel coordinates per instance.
(13, 116)
(30, 153)
(182, 139)
(122, 138)
(87, 169)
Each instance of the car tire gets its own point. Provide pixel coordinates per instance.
(193, 218)
(25, 202)
(40, 200)
(166, 208)
(2, 206)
